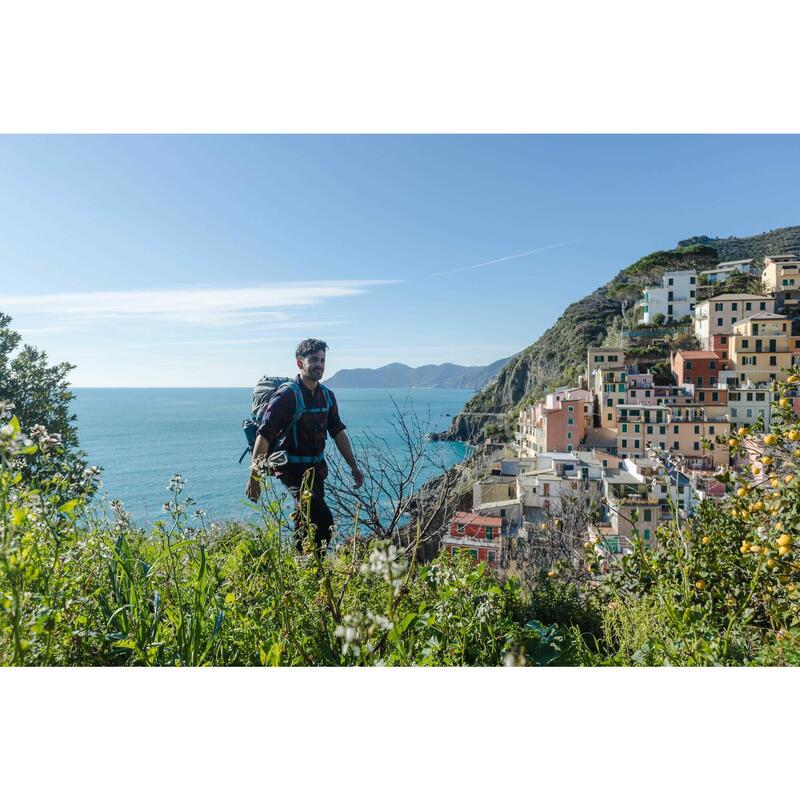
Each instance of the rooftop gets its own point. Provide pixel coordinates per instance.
(697, 355)
(731, 263)
(471, 518)
(768, 315)
(719, 297)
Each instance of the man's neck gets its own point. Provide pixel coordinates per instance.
(309, 383)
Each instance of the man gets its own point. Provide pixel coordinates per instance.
(304, 441)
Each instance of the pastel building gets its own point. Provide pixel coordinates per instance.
(557, 425)
(640, 389)
(781, 277)
(675, 298)
(676, 429)
(761, 348)
(746, 406)
(719, 314)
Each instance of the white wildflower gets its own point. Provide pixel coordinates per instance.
(350, 633)
(176, 484)
(384, 623)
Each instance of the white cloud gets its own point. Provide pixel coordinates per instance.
(193, 305)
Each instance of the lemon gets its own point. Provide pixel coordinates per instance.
(771, 563)
(775, 483)
(706, 539)
(552, 573)
(743, 431)
(783, 550)
(793, 436)
(754, 548)
(783, 580)
(732, 442)
(755, 469)
(741, 492)
(792, 379)
(745, 548)
(770, 439)
(784, 540)
(784, 402)
(789, 478)
(767, 460)
(700, 585)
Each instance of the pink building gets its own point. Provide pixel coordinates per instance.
(639, 390)
(558, 424)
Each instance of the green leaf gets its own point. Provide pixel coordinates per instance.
(14, 423)
(230, 599)
(18, 516)
(406, 621)
(65, 508)
(127, 644)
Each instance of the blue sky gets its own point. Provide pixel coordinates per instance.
(202, 260)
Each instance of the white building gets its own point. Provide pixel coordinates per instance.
(723, 271)
(674, 299)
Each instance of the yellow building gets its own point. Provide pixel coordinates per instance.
(761, 348)
(781, 277)
(606, 376)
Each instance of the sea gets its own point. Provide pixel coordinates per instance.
(140, 438)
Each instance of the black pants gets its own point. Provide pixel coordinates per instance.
(320, 515)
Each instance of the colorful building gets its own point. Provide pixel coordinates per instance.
(557, 425)
(700, 368)
(761, 348)
(719, 314)
(481, 535)
(781, 277)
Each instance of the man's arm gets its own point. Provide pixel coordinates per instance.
(260, 448)
(343, 444)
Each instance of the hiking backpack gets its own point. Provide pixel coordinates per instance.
(262, 394)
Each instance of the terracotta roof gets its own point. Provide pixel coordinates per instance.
(697, 355)
(471, 518)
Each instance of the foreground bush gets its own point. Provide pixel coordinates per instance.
(82, 588)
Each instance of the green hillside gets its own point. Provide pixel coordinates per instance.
(559, 354)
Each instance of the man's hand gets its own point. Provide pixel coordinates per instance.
(358, 478)
(253, 490)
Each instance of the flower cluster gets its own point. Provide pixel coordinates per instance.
(351, 633)
(176, 484)
(45, 440)
(387, 561)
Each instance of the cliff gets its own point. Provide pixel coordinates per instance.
(558, 356)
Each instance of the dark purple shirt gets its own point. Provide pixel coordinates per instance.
(311, 428)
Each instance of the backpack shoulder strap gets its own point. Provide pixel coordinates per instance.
(328, 399)
(299, 408)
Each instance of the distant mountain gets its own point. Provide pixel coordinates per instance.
(430, 376)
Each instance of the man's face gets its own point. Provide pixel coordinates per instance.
(313, 365)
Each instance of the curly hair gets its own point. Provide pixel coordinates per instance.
(309, 346)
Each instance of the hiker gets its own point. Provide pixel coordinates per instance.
(303, 440)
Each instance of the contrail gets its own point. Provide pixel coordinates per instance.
(504, 258)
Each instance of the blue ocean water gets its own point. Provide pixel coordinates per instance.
(141, 437)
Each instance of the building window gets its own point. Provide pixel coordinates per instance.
(648, 515)
(489, 533)
(675, 429)
(734, 306)
(696, 445)
(719, 322)
(696, 429)
(460, 528)
(763, 306)
(717, 306)
(773, 361)
(491, 556)
(647, 534)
